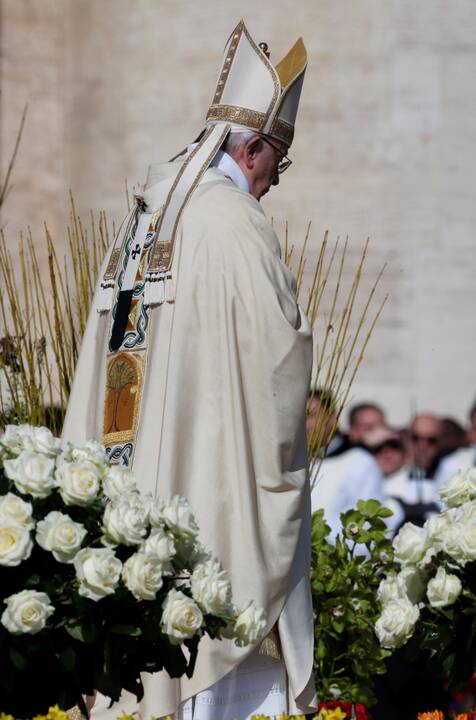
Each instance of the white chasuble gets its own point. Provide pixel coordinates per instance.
(223, 387)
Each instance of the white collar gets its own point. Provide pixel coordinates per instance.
(224, 162)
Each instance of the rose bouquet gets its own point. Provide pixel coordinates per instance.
(429, 603)
(97, 582)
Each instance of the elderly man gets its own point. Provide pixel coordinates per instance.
(194, 371)
(425, 444)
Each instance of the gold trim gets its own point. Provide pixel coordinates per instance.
(113, 264)
(155, 255)
(228, 62)
(161, 256)
(282, 130)
(163, 251)
(198, 177)
(236, 114)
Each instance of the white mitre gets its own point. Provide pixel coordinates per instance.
(253, 93)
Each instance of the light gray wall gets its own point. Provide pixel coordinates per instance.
(385, 145)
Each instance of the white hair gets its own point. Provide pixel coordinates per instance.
(236, 140)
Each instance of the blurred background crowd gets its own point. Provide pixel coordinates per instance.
(404, 467)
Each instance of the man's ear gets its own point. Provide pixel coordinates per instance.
(252, 148)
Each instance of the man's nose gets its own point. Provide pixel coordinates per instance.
(275, 179)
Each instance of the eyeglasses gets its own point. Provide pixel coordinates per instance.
(430, 439)
(387, 445)
(285, 162)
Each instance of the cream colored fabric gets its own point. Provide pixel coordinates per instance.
(222, 422)
(251, 92)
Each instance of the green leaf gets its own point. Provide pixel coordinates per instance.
(76, 632)
(385, 512)
(68, 658)
(321, 650)
(17, 658)
(122, 629)
(369, 508)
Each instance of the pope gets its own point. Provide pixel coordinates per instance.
(194, 371)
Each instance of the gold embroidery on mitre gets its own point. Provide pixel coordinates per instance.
(228, 63)
(282, 130)
(124, 381)
(237, 115)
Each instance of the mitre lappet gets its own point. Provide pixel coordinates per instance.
(251, 94)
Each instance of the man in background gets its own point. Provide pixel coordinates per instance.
(341, 473)
(363, 418)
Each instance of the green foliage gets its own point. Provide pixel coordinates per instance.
(345, 576)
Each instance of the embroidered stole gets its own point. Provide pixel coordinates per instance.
(127, 346)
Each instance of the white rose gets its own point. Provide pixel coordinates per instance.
(211, 587)
(32, 473)
(410, 544)
(15, 545)
(457, 489)
(78, 482)
(181, 617)
(468, 540)
(61, 535)
(396, 622)
(178, 516)
(17, 438)
(155, 511)
(15, 511)
(160, 543)
(443, 589)
(471, 475)
(467, 512)
(27, 612)
(391, 588)
(91, 451)
(43, 441)
(117, 482)
(142, 575)
(98, 571)
(436, 525)
(451, 542)
(413, 582)
(126, 521)
(249, 624)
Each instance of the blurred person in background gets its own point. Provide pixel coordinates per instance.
(425, 444)
(415, 495)
(471, 432)
(363, 418)
(461, 459)
(340, 474)
(453, 436)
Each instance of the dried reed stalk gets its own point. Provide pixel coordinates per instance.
(42, 320)
(341, 333)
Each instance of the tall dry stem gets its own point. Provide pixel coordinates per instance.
(42, 319)
(341, 330)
